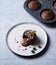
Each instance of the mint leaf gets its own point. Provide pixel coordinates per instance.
(32, 32)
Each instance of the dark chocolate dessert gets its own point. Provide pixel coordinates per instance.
(47, 14)
(34, 5)
(29, 36)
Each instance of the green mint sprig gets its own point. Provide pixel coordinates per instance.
(32, 32)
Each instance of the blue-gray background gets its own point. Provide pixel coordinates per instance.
(11, 13)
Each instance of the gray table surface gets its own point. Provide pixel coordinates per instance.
(11, 13)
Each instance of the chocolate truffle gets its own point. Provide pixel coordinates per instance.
(31, 35)
(34, 5)
(47, 14)
(55, 5)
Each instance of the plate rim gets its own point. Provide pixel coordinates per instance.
(21, 24)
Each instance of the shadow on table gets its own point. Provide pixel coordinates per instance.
(52, 25)
(39, 54)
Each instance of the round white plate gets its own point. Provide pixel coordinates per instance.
(14, 38)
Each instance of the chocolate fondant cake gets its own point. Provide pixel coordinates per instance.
(34, 5)
(47, 14)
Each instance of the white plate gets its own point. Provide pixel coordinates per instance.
(14, 37)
